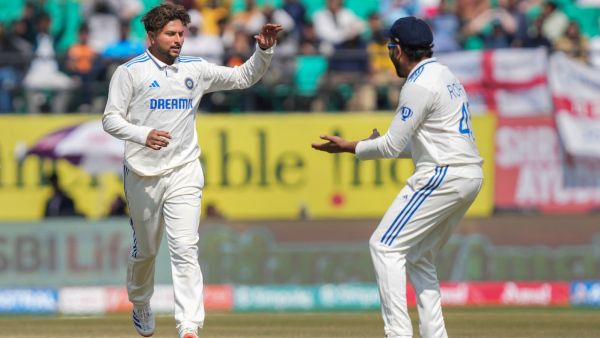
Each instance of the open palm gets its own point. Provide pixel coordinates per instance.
(268, 35)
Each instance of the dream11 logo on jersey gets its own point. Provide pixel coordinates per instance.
(406, 113)
(171, 104)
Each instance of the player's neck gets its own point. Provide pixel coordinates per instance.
(412, 64)
(163, 58)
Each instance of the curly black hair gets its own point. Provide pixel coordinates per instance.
(159, 16)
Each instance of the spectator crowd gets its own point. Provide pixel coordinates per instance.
(57, 56)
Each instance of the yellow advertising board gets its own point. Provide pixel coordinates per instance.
(256, 167)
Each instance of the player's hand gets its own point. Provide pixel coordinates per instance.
(335, 144)
(374, 134)
(158, 139)
(268, 35)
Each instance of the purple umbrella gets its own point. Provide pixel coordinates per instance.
(85, 145)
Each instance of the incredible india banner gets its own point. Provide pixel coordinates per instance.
(256, 167)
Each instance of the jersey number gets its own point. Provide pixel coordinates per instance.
(464, 126)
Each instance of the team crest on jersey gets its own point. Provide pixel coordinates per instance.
(406, 113)
(189, 83)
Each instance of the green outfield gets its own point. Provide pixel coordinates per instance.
(461, 322)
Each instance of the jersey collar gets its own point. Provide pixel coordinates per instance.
(161, 65)
(420, 66)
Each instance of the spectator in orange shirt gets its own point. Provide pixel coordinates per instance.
(80, 63)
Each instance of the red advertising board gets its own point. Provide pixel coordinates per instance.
(532, 172)
(218, 297)
(501, 293)
(117, 300)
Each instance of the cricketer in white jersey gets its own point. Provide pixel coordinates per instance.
(152, 105)
(432, 124)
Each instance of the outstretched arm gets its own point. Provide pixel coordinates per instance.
(336, 144)
(227, 78)
(412, 111)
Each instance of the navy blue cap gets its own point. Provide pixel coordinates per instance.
(412, 32)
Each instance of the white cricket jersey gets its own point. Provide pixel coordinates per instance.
(147, 94)
(432, 118)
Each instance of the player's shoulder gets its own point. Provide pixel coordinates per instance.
(424, 71)
(191, 60)
(137, 61)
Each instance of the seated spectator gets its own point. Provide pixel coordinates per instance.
(445, 28)
(337, 27)
(59, 204)
(517, 9)
(103, 23)
(209, 47)
(80, 63)
(555, 22)
(340, 30)
(44, 78)
(309, 42)
(15, 52)
(497, 38)
(270, 14)
(535, 38)
(493, 28)
(241, 19)
(392, 10)
(16, 39)
(468, 10)
(125, 47)
(29, 19)
(286, 42)
(383, 85)
(240, 49)
(573, 43)
(296, 10)
(212, 13)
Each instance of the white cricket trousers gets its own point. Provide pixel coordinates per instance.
(172, 202)
(406, 241)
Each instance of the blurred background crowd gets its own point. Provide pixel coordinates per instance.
(57, 56)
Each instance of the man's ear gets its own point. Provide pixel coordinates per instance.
(151, 37)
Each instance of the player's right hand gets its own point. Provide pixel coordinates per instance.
(158, 139)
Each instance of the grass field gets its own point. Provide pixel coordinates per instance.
(461, 322)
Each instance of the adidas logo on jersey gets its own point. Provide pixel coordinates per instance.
(154, 84)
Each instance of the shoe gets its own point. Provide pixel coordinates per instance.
(143, 320)
(187, 332)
